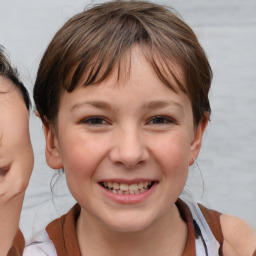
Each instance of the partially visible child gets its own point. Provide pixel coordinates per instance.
(16, 156)
(122, 91)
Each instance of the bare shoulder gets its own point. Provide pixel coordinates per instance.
(239, 237)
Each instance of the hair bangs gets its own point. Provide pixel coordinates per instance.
(94, 43)
(97, 61)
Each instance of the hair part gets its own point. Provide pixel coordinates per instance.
(95, 41)
(11, 73)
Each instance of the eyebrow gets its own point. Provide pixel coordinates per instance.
(96, 104)
(151, 105)
(156, 104)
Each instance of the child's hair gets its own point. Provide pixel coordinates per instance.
(92, 43)
(10, 73)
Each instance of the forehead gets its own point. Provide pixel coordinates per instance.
(10, 96)
(11, 103)
(134, 79)
(167, 68)
(5, 84)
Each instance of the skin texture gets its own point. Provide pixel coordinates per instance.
(141, 130)
(16, 160)
(239, 237)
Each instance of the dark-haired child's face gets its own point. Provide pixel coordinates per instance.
(15, 146)
(125, 147)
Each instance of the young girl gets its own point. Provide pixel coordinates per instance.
(122, 91)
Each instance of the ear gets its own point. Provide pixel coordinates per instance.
(52, 152)
(197, 140)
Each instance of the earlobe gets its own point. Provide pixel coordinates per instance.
(197, 140)
(52, 153)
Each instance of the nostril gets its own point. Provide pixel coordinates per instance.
(129, 157)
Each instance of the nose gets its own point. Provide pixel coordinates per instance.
(129, 148)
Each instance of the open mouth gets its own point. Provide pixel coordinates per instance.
(127, 189)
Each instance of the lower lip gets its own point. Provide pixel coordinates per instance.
(128, 199)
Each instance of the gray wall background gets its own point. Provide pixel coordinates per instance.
(224, 177)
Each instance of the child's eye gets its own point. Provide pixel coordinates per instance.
(94, 121)
(160, 120)
(4, 170)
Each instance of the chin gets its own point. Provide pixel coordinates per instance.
(130, 223)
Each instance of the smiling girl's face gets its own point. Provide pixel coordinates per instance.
(125, 145)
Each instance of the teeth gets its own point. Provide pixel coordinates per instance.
(110, 184)
(145, 185)
(116, 185)
(133, 187)
(143, 190)
(125, 189)
(140, 185)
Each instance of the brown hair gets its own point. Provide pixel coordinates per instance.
(10, 73)
(94, 41)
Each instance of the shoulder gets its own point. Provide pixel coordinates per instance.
(239, 237)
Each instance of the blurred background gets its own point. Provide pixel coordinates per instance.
(224, 176)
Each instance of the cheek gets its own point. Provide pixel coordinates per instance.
(173, 152)
(80, 154)
(78, 164)
(172, 155)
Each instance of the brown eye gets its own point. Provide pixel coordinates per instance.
(160, 120)
(94, 121)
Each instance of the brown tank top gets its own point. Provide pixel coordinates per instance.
(18, 245)
(62, 232)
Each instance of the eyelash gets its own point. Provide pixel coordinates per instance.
(156, 120)
(4, 170)
(162, 120)
(94, 120)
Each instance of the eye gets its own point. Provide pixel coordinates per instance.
(4, 170)
(94, 120)
(160, 120)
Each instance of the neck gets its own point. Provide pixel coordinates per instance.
(166, 236)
